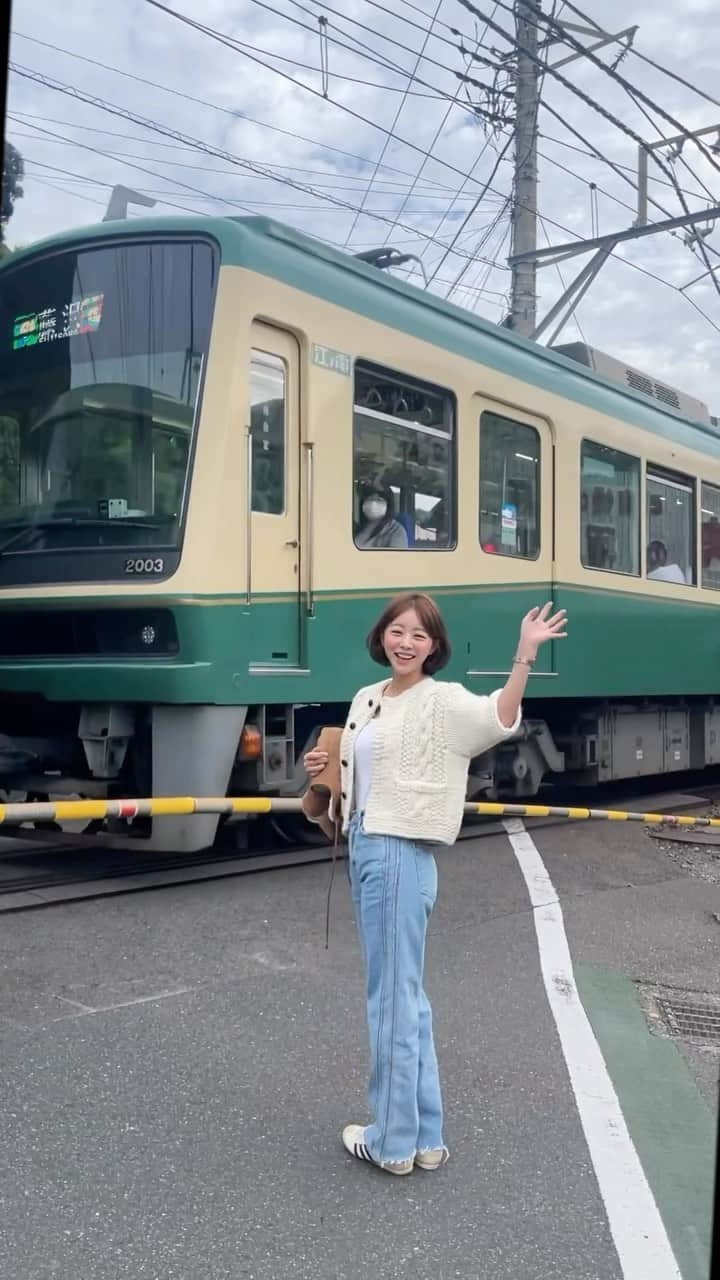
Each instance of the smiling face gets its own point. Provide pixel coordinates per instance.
(407, 645)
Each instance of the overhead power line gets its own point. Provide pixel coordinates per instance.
(206, 148)
(239, 117)
(673, 75)
(246, 177)
(86, 146)
(406, 142)
(428, 156)
(552, 24)
(398, 113)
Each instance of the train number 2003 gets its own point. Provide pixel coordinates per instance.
(145, 566)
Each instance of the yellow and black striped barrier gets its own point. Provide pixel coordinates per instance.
(225, 806)
(584, 815)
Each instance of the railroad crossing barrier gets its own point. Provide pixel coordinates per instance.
(225, 806)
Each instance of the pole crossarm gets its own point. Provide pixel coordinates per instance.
(558, 252)
(626, 35)
(644, 153)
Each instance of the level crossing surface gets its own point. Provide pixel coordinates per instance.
(178, 1066)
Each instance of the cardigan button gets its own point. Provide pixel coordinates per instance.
(343, 796)
(351, 726)
(344, 764)
(370, 702)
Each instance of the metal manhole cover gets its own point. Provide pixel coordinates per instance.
(690, 1019)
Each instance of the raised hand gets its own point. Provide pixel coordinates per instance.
(538, 626)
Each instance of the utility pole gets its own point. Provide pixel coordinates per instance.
(528, 14)
(523, 305)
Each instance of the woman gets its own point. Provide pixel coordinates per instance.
(379, 527)
(405, 753)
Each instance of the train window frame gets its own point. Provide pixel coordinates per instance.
(96, 564)
(445, 430)
(538, 476)
(275, 362)
(587, 442)
(682, 483)
(705, 489)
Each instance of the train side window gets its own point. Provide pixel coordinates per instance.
(609, 509)
(403, 463)
(710, 511)
(509, 487)
(267, 426)
(670, 527)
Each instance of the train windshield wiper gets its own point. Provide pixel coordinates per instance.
(73, 522)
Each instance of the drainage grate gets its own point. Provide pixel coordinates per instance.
(690, 1019)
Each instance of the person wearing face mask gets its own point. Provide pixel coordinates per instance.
(379, 527)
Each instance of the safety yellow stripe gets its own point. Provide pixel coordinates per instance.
(169, 806)
(69, 810)
(174, 806)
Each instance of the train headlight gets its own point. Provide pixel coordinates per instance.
(148, 635)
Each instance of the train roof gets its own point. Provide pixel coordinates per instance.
(308, 264)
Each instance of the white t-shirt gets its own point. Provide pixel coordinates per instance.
(363, 757)
(668, 573)
(363, 750)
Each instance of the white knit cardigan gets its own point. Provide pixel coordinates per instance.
(420, 758)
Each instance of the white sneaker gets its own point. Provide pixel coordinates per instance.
(353, 1137)
(432, 1159)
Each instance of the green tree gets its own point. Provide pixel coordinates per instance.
(12, 190)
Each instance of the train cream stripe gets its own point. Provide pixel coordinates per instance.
(640, 1238)
(175, 806)
(117, 595)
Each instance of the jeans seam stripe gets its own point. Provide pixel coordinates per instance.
(393, 845)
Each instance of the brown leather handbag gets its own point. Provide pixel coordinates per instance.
(325, 787)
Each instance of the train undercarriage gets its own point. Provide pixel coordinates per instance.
(109, 750)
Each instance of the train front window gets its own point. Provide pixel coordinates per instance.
(101, 357)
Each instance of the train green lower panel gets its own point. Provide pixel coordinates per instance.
(620, 645)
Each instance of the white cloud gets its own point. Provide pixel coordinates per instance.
(626, 312)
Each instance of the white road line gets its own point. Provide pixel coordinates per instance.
(88, 1011)
(640, 1238)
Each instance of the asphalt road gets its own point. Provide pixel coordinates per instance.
(178, 1065)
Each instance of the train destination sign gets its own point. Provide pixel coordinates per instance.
(83, 315)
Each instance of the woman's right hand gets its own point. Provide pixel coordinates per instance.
(314, 762)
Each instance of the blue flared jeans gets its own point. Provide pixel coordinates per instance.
(394, 886)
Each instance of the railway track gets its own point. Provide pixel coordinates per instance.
(42, 872)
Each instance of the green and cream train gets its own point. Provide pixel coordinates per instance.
(193, 414)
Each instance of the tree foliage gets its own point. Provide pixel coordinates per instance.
(12, 189)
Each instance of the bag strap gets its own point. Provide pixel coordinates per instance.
(336, 842)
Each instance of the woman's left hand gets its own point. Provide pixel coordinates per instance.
(538, 626)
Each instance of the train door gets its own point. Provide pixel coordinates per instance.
(515, 530)
(273, 517)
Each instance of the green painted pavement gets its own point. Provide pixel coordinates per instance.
(668, 1121)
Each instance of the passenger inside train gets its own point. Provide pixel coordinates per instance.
(658, 567)
(378, 526)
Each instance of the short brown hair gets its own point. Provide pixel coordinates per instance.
(431, 621)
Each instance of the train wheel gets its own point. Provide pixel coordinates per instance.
(293, 828)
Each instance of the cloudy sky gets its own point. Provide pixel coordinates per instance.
(369, 137)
